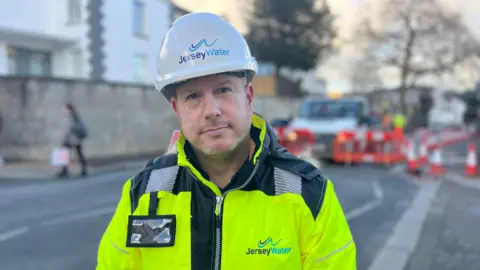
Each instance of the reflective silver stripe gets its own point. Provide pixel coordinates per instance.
(162, 179)
(286, 182)
(115, 246)
(334, 252)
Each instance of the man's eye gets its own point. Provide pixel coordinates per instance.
(224, 90)
(192, 96)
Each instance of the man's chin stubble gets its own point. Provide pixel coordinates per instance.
(222, 155)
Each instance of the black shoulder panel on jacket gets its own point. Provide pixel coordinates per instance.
(140, 181)
(289, 162)
(313, 192)
(162, 161)
(314, 182)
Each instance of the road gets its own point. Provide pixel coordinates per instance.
(58, 224)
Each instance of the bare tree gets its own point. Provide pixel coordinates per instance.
(364, 74)
(418, 38)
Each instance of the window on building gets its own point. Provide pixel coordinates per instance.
(138, 17)
(37, 61)
(140, 68)
(12, 65)
(77, 63)
(28, 62)
(74, 11)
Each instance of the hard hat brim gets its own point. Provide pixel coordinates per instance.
(162, 82)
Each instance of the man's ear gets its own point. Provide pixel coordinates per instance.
(174, 103)
(250, 95)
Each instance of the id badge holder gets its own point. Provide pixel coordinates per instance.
(151, 230)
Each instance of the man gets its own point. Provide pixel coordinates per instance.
(232, 197)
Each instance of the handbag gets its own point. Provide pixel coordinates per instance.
(60, 157)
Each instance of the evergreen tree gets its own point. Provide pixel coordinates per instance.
(290, 33)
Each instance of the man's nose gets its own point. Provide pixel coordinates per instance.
(211, 106)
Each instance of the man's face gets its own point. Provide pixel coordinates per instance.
(215, 112)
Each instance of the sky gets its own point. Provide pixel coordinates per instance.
(336, 69)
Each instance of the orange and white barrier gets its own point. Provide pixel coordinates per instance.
(436, 164)
(423, 156)
(412, 162)
(471, 166)
(435, 142)
(446, 137)
(371, 146)
(172, 146)
(298, 141)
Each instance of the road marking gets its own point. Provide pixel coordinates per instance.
(463, 180)
(13, 233)
(79, 216)
(369, 206)
(377, 189)
(404, 237)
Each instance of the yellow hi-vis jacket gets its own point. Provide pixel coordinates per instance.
(278, 212)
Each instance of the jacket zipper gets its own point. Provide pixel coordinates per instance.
(218, 216)
(218, 231)
(218, 219)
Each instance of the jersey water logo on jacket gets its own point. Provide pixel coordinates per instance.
(269, 247)
(208, 51)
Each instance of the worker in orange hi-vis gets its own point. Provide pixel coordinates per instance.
(399, 123)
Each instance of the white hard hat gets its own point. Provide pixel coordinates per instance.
(200, 44)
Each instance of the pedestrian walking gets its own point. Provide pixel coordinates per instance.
(75, 134)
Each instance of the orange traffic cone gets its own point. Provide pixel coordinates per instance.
(412, 164)
(436, 168)
(471, 168)
(423, 158)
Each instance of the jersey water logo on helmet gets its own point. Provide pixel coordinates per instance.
(201, 55)
(202, 42)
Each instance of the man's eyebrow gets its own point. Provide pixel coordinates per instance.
(192, 88)
(188, 91)
(226, 81)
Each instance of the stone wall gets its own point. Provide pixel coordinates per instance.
(122, 119)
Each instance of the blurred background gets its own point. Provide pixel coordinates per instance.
(417, 59)
(101, 55)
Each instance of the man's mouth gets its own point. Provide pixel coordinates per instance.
(214, 129)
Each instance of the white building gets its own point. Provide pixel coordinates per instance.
(90, 39)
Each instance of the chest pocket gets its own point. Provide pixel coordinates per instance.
(261, 231)
(160, 224)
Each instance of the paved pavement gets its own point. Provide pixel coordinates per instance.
(438, 231)
(58, 224)
(450, 238)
